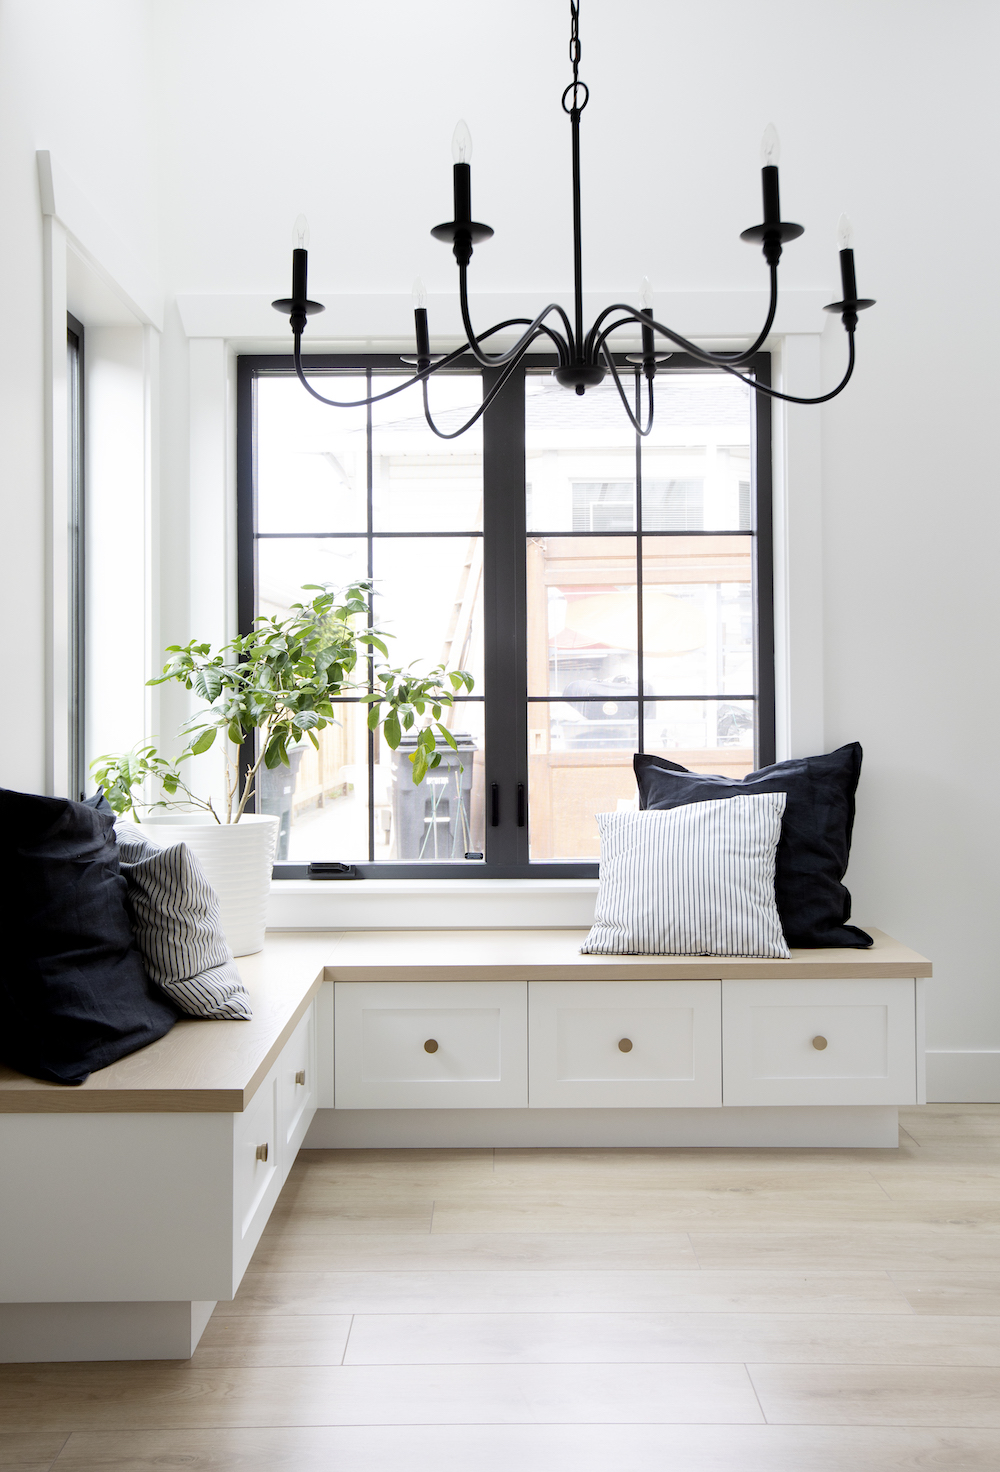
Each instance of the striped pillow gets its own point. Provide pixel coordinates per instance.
(690, 881)
(177, 926)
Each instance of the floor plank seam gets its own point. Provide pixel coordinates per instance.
(880, 1186)
(60, 1451)
(350, 1327)
(756, 1394)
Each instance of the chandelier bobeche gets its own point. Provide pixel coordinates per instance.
(584, 359)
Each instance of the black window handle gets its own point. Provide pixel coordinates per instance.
(495, 805)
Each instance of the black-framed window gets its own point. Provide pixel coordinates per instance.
(609, 594)
(77, 553)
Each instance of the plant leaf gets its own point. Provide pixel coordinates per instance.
(204, 741)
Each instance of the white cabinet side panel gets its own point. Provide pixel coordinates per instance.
(105, 1207)
(324, 1045)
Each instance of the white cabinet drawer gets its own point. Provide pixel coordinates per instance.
(297, 1085)
(624, 1044)
(431, 1045)
(256, 1169)
(819, 1042)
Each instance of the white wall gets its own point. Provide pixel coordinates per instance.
(74, 79)
(345, 111)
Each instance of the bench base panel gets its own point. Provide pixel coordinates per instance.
(33, 1333)
(872, 1127)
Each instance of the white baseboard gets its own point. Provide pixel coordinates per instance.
(963, 1076)
(33, 1333)
(844, 1127)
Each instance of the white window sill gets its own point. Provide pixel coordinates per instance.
(431, 904)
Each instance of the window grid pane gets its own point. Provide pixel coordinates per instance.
(615, 619)
(380, 475)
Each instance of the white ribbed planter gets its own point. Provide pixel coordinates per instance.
(237, 859)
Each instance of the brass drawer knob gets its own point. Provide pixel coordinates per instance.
(625, 1045)
(819, 1044)
(300, 1077)
(261, 1152)
(430, 1046)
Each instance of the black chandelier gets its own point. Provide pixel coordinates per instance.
(584, 359)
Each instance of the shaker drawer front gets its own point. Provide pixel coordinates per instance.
(297, 1085)
(626, 1044)
(823, 1042)
(431, 1045)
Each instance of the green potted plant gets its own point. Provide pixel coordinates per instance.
(278, 683)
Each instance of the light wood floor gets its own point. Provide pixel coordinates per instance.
(580, 1311)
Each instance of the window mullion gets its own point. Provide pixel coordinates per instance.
(505, 617)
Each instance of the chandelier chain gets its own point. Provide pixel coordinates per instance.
(576, 87)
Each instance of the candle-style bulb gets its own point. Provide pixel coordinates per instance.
(461, 143)
(300, 234)
(419, 293)
(770, 147)
(845, 233)
(646, 295)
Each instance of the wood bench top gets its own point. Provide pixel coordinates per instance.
(198, 1067)
(554, 955)
(209, 1067)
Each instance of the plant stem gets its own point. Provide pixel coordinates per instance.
(248, 785)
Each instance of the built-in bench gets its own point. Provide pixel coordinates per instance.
(133, 1203)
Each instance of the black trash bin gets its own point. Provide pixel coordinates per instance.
(434, 820)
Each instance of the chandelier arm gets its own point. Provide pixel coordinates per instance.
(745, 354)
(375, 398)
(711, 360)
(542, 331)
(701, 354)
(612, 327)
(633, 419)
(565, 345)
(419, 377)
(727, 367)
(591, 346)
(479, 412)
(498, 360)
(773, 393)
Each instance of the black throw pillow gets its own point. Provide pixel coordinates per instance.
(73, 994)
(815, 833)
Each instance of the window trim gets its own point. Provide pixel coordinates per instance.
(504, 596)
(77, 524)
